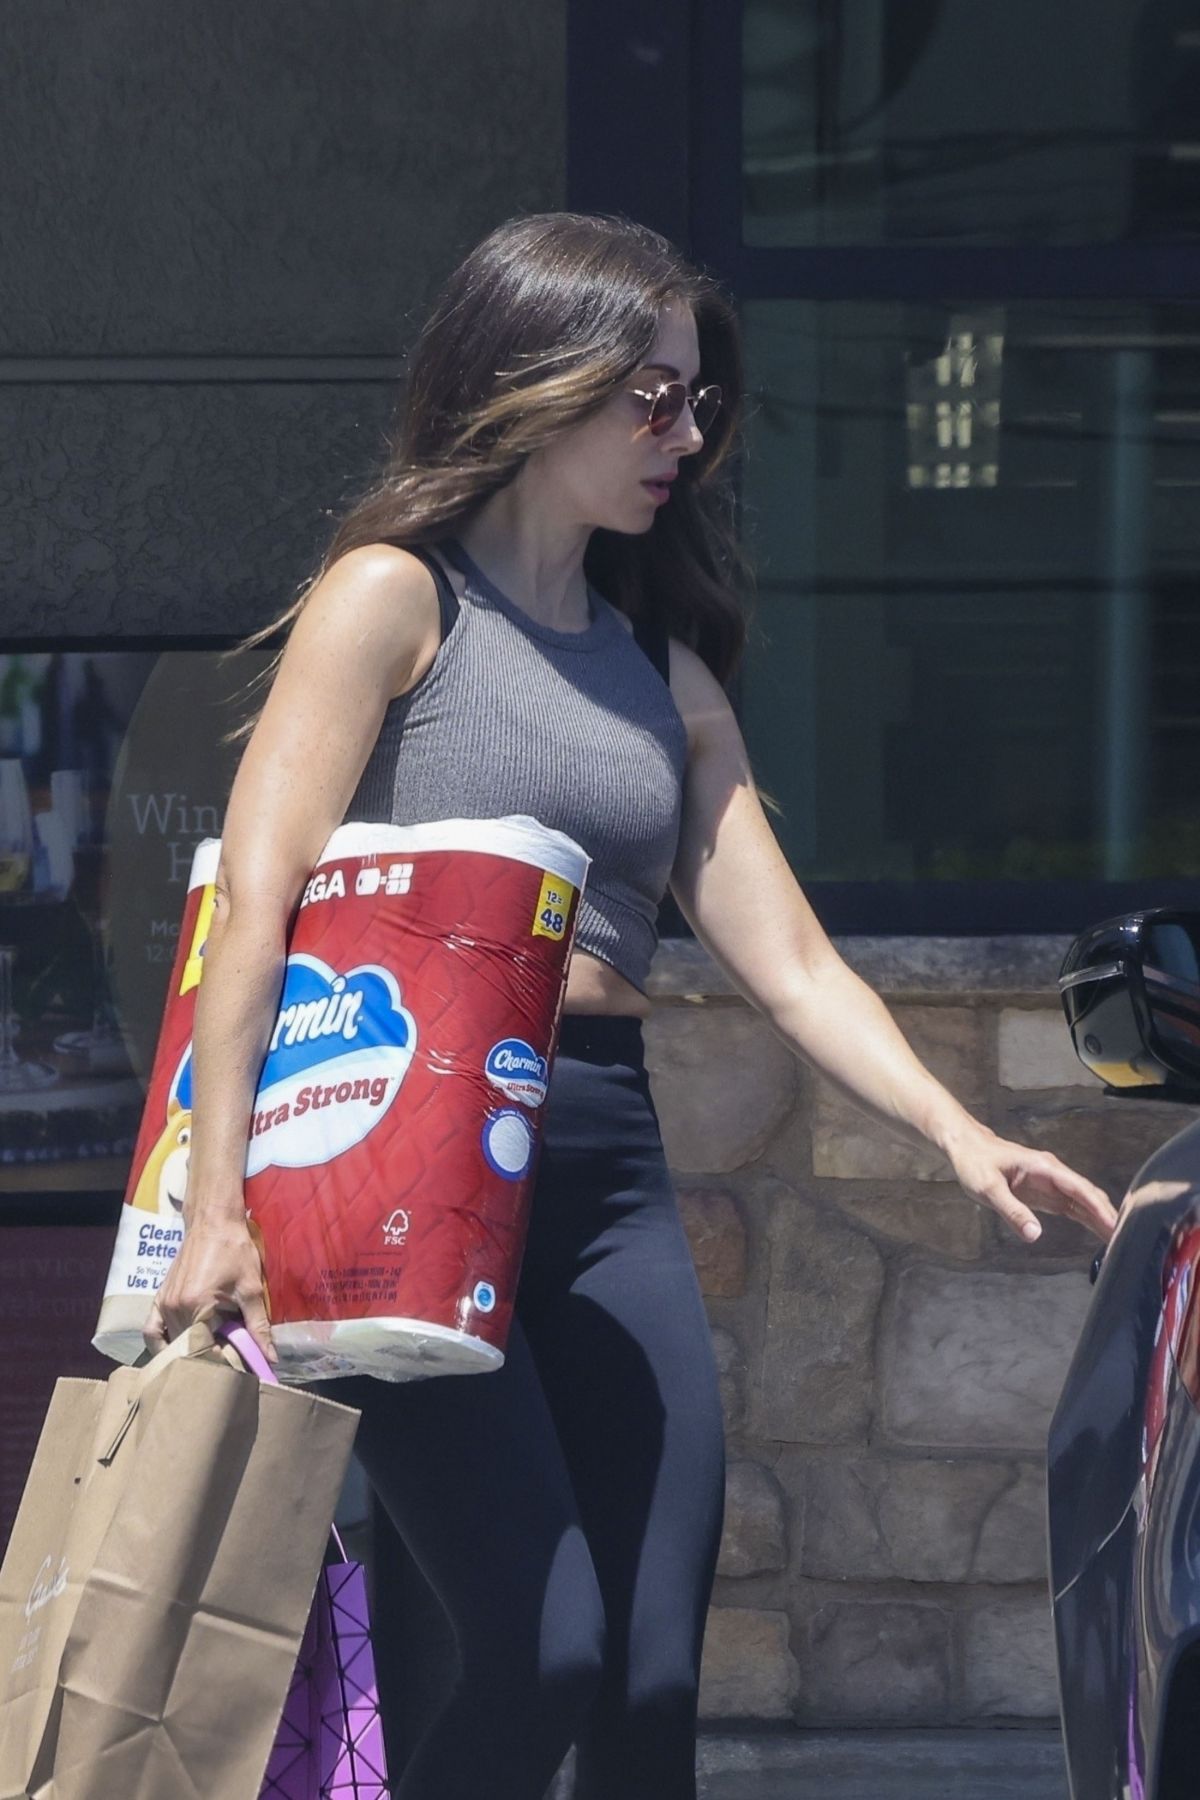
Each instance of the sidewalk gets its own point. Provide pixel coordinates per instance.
(883, 1765)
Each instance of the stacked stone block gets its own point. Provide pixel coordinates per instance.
(889, 1353)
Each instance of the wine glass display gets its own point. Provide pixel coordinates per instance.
(18, 1074)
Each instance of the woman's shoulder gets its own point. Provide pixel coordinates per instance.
(390, 582)
(382, 569)
(699, 696)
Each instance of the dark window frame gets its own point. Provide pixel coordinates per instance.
(654, 131)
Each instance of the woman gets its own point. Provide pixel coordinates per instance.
(481, 639)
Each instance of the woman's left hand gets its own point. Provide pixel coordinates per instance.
(1012, 1178)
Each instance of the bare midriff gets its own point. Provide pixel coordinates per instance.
(594, 986)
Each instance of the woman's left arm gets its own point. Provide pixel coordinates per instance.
(734, 887)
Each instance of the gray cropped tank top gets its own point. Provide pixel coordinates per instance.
(578, 729)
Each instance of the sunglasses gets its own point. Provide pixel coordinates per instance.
(668, 399)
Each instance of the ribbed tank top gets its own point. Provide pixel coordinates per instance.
(578, 729)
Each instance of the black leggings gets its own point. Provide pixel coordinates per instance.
(567, 1509)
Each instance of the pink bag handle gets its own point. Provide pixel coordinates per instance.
(234, 1333)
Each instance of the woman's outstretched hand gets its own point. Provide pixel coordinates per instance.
(217, 1273)
(1012, 1179)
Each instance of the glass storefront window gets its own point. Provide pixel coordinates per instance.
(113, 769)
(976, 529)
(927, 122)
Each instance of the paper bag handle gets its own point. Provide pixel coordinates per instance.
(240, 1339)
(198, 1340)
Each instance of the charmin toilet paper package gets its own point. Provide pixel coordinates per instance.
(394, 1138)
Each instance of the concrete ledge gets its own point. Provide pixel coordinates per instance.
(864, 1765)
(900, 968)
(904, 1765)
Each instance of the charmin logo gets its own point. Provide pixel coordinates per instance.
(395, 1229)
(46, 1587)
(517, 1070)
(340, 1047)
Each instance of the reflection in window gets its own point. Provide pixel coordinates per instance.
(112, 769)
(996, 678)
(935, 121)
(953, 410)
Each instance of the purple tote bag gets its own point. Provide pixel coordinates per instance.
(330, 1740)
(329, 1745)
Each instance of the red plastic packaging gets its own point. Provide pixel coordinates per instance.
(396, 1128)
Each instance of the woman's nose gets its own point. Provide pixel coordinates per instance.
(685, 433)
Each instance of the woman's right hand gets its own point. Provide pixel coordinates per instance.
(217, 1272)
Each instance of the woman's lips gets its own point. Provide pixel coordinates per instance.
(660, 489)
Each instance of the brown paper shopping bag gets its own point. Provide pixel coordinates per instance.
(158, 1579)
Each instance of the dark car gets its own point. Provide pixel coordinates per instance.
(1124, 1450)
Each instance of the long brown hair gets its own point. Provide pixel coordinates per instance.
(533, 332)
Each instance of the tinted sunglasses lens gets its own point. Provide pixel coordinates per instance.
(667, 407)
(705, 409)
(670, 402)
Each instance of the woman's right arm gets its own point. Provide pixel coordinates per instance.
(366, 633)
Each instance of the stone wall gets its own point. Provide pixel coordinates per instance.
(890, 1354)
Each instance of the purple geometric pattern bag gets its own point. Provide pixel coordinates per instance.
(329, 1745)
(330, 1740)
